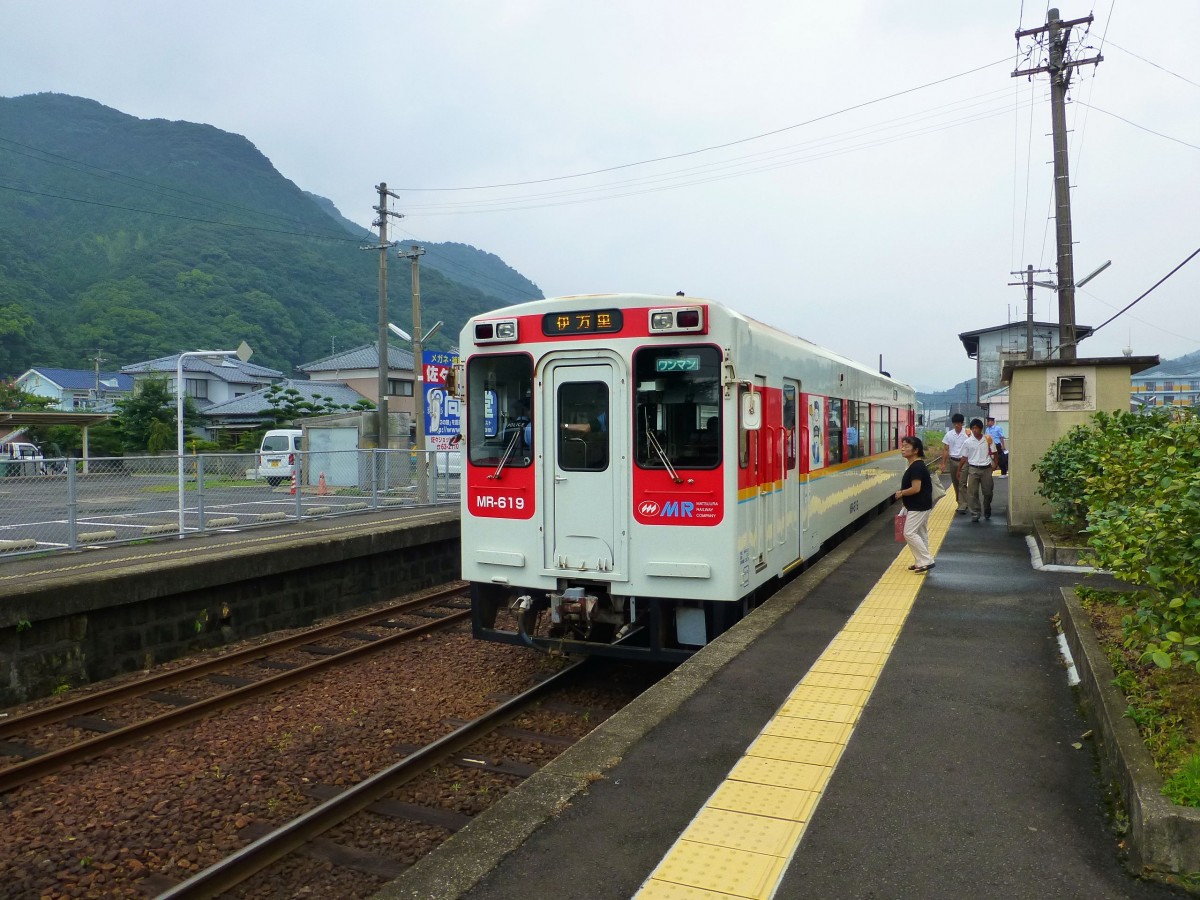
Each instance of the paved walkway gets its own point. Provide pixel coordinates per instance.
(952, 765)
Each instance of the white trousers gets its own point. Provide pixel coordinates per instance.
(916, 535)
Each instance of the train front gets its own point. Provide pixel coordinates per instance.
(594, 504)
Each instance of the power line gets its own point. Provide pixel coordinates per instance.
(1156, 65)
(1136, 125)
(733, 143)
(1190, 257)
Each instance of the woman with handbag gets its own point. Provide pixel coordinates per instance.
(916, 490)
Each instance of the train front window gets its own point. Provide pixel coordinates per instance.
(500, 410)
(677, 409)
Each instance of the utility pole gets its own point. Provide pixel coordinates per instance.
(414, 254)
(1028, 282)
(381, 414)
(99, 359)
(1060, 67)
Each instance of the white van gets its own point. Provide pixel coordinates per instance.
(21, 458)
(277, 455)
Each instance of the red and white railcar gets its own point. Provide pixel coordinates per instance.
(640, 471)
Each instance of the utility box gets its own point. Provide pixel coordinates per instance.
(1047, 398)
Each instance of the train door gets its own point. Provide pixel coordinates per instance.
(761, 482)
(584, 451)
(790, 496)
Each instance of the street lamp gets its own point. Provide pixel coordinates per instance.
(243, 352)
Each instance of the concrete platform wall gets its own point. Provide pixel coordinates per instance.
(58, 635)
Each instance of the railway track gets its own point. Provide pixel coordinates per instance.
(76, 714)
(307, 831)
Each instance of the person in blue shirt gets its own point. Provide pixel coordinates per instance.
(997, 435)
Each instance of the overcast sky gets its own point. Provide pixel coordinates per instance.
(883, 229)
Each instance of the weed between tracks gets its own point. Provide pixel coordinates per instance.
(1163, 703)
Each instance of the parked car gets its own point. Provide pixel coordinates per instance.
(21, 458)
(277, 455)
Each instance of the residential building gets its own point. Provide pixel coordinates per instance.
(76, 389)
(993, 348)
(358, 368)
(206, 381)
(1173, 383)
(250, 412)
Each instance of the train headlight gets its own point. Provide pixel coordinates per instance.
(503, 331)
(678, 320)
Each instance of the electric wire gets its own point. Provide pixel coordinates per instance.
(721, 146)
(1156, 65)
(1147, 292)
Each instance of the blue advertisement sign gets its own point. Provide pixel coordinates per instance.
(443, 413)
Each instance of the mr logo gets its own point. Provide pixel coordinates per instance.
(681, 509)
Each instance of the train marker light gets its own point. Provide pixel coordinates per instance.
(503, 331)
(676, 321)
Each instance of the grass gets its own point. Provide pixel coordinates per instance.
(1163, 703)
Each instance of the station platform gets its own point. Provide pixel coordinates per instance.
(867, 733)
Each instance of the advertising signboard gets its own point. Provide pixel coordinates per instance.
(442, 410)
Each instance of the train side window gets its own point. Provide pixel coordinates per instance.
(855, 424)
(499, 410)
(878, 429)
(833, 454)
(789, 425)
(743, 434)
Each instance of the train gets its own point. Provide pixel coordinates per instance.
(640, 471)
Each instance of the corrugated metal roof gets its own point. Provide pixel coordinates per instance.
(364, 357)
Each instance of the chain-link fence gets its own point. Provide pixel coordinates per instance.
(63, 504)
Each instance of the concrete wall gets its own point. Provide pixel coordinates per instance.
(1038, 417)
(67, 632)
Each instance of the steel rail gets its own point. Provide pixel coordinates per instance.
(236, 868)
(53, 760)
(98, 700)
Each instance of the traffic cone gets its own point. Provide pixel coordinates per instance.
(292, 492)
(321, 489)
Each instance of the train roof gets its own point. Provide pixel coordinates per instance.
(549, 304)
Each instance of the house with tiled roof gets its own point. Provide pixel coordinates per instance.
(358, 368)
(206, 381)
(252, 411)
(76, 389)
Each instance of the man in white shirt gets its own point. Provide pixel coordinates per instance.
(952, 459)
(979, 457)
(997, 434)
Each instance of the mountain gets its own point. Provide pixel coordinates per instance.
(963, 392)
(139, 238)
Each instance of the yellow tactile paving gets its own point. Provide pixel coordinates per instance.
(764, 800)
(856, 682)
(664, 890)
(818, 753)
(817, 694)
(809, 729)
(723, 869)
(743, 831)
(739, 844)
(825, 712)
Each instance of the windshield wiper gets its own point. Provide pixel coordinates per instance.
(508, 452)
(652, 440)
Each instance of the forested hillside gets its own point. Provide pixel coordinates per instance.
(142, 238)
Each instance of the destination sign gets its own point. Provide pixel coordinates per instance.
(593, 321)
(677, 364)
